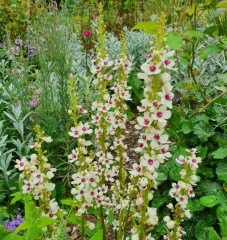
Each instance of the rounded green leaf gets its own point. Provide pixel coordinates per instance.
(174, 41)
(209, 201)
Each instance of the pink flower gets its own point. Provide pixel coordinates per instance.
(86, 33)
(94, 16)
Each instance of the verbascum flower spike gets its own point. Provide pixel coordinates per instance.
(153, 143)
(36, 175)
(182, 191)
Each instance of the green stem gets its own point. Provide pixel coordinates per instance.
(127, 216)
(103, 223)
(82, 226)
(210, 102)
(143, 215)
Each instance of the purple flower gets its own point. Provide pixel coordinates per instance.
(12, 225)
(38, 91)
(86, 33)
(34, 102)
(19, 42)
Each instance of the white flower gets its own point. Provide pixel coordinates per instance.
(21, 163)
(170, 224)
(91, 225)
(166, 219)
(151, 68)
(165, 77)
(33, 157)
(50, 174)
(47, 139)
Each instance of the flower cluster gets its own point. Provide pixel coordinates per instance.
(12, 225)
(36, 175)
(181, 192)
(153, 143)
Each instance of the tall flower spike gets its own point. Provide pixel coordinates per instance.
(181, 192)
(36, 175)
(153, 143)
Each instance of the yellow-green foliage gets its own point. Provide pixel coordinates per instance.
(14, 17)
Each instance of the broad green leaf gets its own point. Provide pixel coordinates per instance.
(223, 39)
(212, 49)
(74, 219)
(194, 205)
(209, 201)
(24, 226)
(33, 234)
(223, 78)
(45, 221)
(221, 171)
(209, 187)
(212, 234)
(222, 4)
(193, 33)
(223, 225)
(68, 202)
(3, 232)
(148, 27)
(222, 197)
(222, 88)
(17, 197)
(221, 212)
(13, 236)
(203, 131)
(186, 128)
(110, 217)
(201, 231)
(98, 235)
(220, 153)
(174, 41)
(211, 30)
(207, 2)
(202, 151)
(206, 171)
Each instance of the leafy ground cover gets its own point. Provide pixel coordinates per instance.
(113, 120)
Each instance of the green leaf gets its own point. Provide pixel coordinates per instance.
(208, 172)
(201, 231)
(17, 197)
(203, 131)
(223, 40)
(202, 151)
(209, 201)
(221, 212)
(212, 234)
(45, 221)
(110, 217)
(220, 88)
(98, 235)
(207, 2)
(148, 27)
(24, 226)
(209, 187)
(3, 232)
(194, 205)
(222, 197)
(68, 202)
(220, 153)
(212, 49)
(13, 236)
(174, 41)
(222, 4)
(193, 33)
(223, 225)
(221, 171)
(211, 31)
(186, 128)
(74, 219)
(33, 234)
